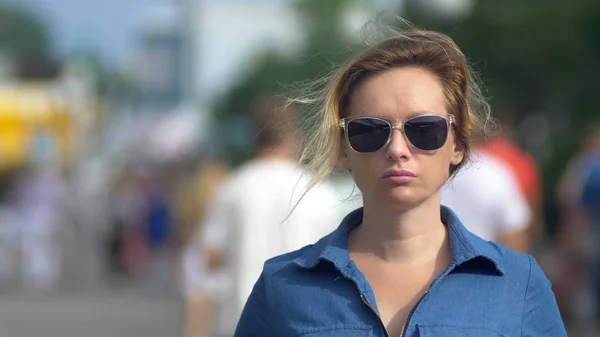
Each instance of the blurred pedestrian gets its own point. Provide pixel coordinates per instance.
(486, 196)
(252, 219)
(195, 194)
(527, 174)
(578, 252)
(40, 201)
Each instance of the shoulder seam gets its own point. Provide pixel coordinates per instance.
(526, 292)
(267, 309)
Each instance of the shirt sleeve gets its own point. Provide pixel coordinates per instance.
(193, 273)
(511, 211)
(219, 221)
(316, 215)
(541, 316)
(212, 234)
(254, 321)
(590, 191)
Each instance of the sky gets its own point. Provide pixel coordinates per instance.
(106, 26)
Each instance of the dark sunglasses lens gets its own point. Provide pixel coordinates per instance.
(427, 133)
(367, 134)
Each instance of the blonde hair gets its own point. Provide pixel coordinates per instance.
(327, 99)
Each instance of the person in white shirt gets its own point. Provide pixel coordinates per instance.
(486, 196)
(260, 212)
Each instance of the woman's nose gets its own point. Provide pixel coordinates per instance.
(398, 147)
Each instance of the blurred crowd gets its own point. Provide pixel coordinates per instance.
(115, 184)
(207, 226)
(33, 209)
(498, 195)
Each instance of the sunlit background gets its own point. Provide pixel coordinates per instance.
(110, 110)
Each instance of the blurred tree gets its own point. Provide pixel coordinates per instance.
(24, 38)
(536, 58)
(327, 44)
(108, 81)
(23, 34)
(536, 55)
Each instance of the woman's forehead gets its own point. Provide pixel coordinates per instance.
(398, 94)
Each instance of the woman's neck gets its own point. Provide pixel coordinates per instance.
(408, 238)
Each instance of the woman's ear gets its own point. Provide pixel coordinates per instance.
(458, 154)
(344, 160)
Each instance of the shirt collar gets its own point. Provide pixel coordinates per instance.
(466, 247)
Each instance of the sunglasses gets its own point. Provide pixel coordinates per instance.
(370, 134)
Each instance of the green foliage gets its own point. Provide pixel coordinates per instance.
(272, 74)
(22, 34)
(108, 82)
(539, 57)
(535, 55)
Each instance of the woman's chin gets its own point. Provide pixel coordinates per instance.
(403, 197)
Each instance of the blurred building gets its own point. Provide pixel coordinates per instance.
(160, 66)
(226, 35)
(162, 124)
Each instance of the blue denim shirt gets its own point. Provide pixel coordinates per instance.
(487, 290)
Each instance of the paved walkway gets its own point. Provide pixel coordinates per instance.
(121, 313)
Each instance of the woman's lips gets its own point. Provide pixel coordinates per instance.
(399, 176)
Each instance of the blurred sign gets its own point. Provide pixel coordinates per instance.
(33, 126)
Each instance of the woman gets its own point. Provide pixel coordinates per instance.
(401, 117)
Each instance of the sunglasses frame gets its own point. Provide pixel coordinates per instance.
(396, 125)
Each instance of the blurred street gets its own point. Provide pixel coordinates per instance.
(91, 303)
(125, 312)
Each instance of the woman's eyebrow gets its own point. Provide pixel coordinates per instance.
(422, 113)
(368, 113)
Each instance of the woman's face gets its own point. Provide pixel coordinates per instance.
(398, 95)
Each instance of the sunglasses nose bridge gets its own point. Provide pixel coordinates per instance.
(396, 125)
(397, 145)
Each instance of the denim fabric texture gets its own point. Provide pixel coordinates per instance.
(486, 290)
